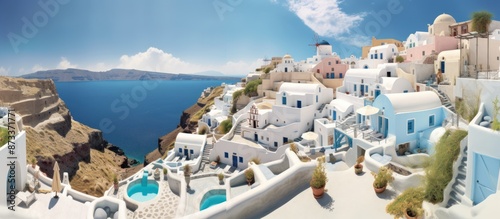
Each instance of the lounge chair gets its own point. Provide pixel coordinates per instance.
(26, 197)
(226, 169)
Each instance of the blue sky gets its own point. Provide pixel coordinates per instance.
(230, 36)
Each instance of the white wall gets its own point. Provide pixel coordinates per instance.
(19, 170)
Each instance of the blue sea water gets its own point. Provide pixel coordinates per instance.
(132, 114)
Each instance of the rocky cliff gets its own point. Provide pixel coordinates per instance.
(52, 135)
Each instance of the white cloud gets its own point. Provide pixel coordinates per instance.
(4, 71)
(65, 64)
(38, 67)
(155, 59)
(327, 19)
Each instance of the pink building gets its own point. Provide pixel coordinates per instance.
(437, 44)
(331, 67)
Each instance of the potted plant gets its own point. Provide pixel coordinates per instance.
(382, 178)
(221, 178)
(115, 182)
(358, 168)
(157, 174)
(33, 162)
(408, 204)
(187, 174)
(249, 176)
(318, 180)
(165, 173)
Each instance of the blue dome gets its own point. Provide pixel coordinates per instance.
(324, 43)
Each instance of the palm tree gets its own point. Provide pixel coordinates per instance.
(481, 20)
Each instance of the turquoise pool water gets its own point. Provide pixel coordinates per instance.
(212, 200)
(141, 192)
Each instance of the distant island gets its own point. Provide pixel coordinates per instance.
(117, 75)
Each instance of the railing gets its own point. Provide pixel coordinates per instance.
(471, 71)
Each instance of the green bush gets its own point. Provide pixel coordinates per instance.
(439, 172)
(399, 59)
(383, 177)
(409, 201)
(225, 126)
(4, 136)
(319, 178)
(495, 125)
(251, 87)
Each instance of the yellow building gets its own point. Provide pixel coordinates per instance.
(379, 42)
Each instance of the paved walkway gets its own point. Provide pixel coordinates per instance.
(348, 196)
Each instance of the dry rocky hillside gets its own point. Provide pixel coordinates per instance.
(53, 135)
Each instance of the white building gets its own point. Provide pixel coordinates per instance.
(378, 55)
(12, 164)
(189, 146)
(296, 107)
(287, 64)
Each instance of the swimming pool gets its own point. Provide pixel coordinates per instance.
(212, 197)
(143, 190)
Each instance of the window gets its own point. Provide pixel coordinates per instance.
(371, 56)
(354, 88)
(392, 49)
(275, 144)
(405, 91)
(180, 150)
(316, 98)
(423, 53)
(411, 126)
(381, 55)
(333, 69)
(329, 63)
(376, 56)
(431, 120)
(226, 155)
(241, 159)
(191, 151)
(340, 75)
(337, 62)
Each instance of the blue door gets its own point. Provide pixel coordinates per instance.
(485, 177)
(235, 161)
(283, 100)
(285, 140)
(327, 75)
(255, 137)
(334, 115)
(186, 152)
(377, 92)
(286, 69)
(442, 66)
(362, 89)
(299, 104)
(209, 123)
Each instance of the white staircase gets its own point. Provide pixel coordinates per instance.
(458, 186)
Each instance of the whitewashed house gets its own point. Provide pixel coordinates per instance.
(379, 55)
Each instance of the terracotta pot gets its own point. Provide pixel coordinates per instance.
(115, 186)
(358, 168)
(188, 179)
(408, 216)
(318, 193)
(379, 190)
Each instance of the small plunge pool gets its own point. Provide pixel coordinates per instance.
(143, 189)
(212, 197)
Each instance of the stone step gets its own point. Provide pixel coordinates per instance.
(460, 189)
(451, 202)
(460, 179)
(462, 169)
(456, 196)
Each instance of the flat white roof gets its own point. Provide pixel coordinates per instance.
(299, 88)
(414, 101)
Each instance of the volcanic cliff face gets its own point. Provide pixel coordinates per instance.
(52, 135)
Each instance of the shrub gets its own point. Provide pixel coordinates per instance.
(360, 160)
(236, 97)
(319, 178)
(115, 179)
(165, 171)
(220, 176)
(187, 170)
(202, 130)
(400, 59)
(293, 147)
(495, 125)
(256, 160)
(4, 136)
(249, 175)
(439, 171)
(410, 201)
(225, 126)
(251, 87)
(383, 177)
